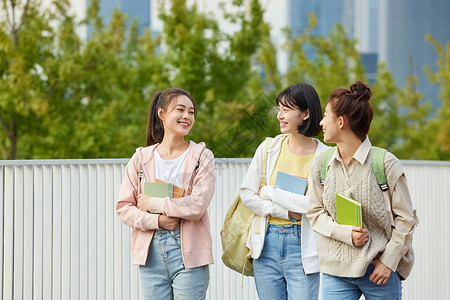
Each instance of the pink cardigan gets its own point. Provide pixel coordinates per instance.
(196, 243)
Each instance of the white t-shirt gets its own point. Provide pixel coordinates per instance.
(170, 171)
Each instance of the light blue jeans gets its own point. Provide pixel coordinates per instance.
(164, 276)
(343, 288)
(279, 270)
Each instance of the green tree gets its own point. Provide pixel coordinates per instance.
(63, 97)
(336, 63)
(413, 123)
(386, 122)
(25, 37)
(101, 107)
(218, 69)
(97, 107)
(439, 127)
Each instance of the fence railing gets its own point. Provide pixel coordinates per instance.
(61, 239)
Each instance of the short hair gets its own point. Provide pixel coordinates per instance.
(304, 97)
(354, 105)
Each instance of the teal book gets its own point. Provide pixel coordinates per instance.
(348, 211)
(291, 183)
(158, 189)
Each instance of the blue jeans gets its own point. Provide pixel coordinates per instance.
(164, 276)
(279, 270)
(344, 288)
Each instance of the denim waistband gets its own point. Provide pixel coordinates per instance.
(161, 234)
(284, 229)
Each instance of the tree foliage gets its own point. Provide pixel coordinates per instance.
(63, 97)
(439, 127)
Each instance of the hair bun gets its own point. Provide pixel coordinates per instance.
(360, 91)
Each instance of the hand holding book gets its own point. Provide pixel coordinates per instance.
(159, 189)
(360, 236)
(142, 202)
(349, 212)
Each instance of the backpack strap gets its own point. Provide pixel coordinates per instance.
(379, 171)
(378, 167)
(264, 162)
(263, 175)
(324, 163)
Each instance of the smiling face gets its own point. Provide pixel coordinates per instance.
(330, 125)
(290, 118)
(179, 117)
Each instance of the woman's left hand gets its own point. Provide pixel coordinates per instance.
(381, 273)
(142, 202)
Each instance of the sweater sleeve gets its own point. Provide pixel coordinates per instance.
(290, 201)
(193, 206)
(126, 208)
(404, 222)
(317, 214)
(249, 190)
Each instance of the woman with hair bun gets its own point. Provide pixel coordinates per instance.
(373, 258)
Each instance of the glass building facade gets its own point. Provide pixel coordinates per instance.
(328, 13)
(139, 9)
(403, 27)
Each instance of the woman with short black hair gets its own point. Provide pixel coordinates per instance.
(281, 241)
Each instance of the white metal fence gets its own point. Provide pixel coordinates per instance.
(61, 239)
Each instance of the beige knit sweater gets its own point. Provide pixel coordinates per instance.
(338, 258)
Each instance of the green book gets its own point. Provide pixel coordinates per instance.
(158, 189)
(348, 211)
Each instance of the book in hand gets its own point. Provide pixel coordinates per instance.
(177, 192)
(291, 183)
(348, 211)
(158, 189)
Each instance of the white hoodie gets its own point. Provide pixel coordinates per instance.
(276, 202)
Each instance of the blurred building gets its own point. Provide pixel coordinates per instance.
(359, 18)
(403, 27)
(328, 13)
(139, 9)
(361, 22)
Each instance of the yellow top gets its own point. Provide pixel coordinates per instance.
(290, 163)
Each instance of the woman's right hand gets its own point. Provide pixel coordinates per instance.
(360, 236)
(295, 215)
(168, 223)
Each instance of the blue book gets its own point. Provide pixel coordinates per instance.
(291, 183)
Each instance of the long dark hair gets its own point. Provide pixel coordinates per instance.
(162, 99)
(354, 105)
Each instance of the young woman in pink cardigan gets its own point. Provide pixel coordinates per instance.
(170, 239)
